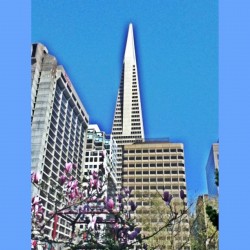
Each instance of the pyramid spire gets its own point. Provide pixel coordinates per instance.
(127, 124)
(130, 46)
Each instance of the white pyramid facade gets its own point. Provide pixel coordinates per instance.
(128, 124)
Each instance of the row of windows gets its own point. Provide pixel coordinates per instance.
(93, 159)
(166, 187)
(124, 136)
(160, 150)
(137, 123)
(151, 179)
(165, 164)
(146, 172)
(135, 128)
(160, 157)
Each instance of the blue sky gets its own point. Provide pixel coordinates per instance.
(177, 54)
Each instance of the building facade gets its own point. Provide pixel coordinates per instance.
(101, 151)
(211, 167)
(149, 168)
(128, 124)
(59, 124)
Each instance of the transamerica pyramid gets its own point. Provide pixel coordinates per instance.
(128, 124)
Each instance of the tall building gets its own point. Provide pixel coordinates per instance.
(59, 124)
(211, 167)
(149, 168)
(128, 124)
(101, 150)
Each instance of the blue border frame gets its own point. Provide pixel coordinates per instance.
(15, 26)
(234, 113)
(234, 123)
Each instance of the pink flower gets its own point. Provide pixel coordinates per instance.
(95, 175)
(94, 183)
(62, 179)
(74, 184)
(33, 244)
(35, 177)
(110, 204)
(72, 195)
(68, 167)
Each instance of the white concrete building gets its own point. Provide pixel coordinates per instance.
(101, 150)
(59, 124)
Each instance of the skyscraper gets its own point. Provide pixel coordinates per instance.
(149, 168)
(212, 166)
(58, 129)
(100, 153)
(128, 124)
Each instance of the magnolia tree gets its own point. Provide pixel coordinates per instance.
(96, 220)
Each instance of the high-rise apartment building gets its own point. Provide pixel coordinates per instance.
(59, 125)
(149, 168)
(211, 167)
(128, 124)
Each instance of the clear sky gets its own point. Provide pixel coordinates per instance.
(176, 45)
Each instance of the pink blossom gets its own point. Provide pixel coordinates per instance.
(35, 177)
(94, 183)
(110, 204)
(72, 195)
(95, 175)
(62, 179)
(74, 184)
(68, 167)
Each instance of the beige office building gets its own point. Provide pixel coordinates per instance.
(149, 168)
